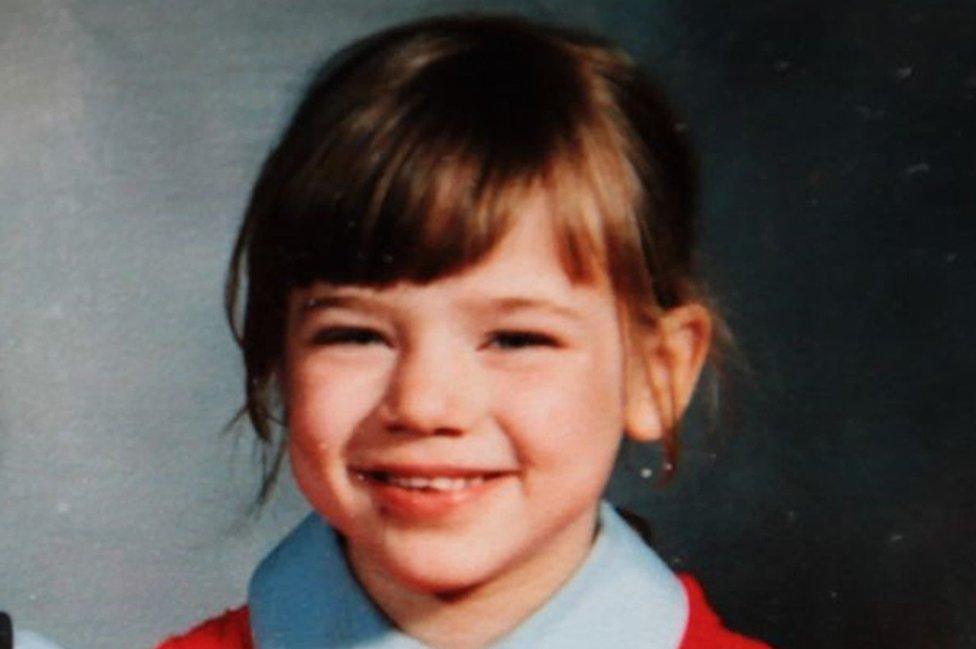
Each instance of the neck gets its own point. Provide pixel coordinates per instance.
(474, 617)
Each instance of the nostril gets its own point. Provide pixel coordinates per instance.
(447, 432)
(423, 413)
(408, 428)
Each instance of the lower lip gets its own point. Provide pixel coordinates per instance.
(427, 504)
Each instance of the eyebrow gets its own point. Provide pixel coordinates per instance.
(511, 304)
(505, 305)
(336, 301)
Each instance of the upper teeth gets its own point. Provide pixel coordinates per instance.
(440, 483)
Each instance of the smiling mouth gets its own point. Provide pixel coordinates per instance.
(415, 494)
(432, 482)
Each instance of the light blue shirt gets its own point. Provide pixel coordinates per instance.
(303, 596)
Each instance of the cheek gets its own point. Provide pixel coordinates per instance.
(567, 413)
(326, 405)
(325, 411)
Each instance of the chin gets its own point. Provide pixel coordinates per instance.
(439, 578)
(441, 571)
(442, 586)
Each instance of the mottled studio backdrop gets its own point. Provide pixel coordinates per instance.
(838, 141)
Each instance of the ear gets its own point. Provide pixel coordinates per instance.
(663, 369)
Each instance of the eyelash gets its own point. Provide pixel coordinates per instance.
(346, 336)
(504, 340)
(521, 340)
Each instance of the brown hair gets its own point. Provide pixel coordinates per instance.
(411, 152)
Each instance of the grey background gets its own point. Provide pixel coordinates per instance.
(838, 146)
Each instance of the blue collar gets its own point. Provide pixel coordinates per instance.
(303, 596)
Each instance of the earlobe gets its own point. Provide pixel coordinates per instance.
(643, 421)
(663, 370)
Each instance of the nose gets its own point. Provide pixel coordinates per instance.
(434, 390)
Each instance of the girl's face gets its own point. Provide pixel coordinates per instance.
(461, 432)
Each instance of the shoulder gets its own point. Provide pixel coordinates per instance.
(232, 630)
(705, 630)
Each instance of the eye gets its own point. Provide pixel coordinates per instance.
(521, 340)
(346, 336)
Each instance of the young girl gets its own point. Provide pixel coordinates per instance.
(469, 273)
